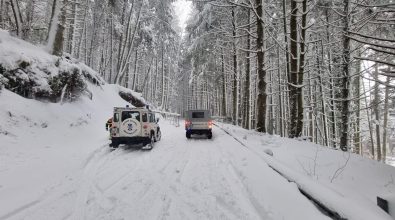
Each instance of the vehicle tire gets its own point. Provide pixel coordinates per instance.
(209, 135)
(158, 136)
(188, 135)
(114, 145)
(150, 145)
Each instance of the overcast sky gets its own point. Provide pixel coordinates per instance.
(183, 8)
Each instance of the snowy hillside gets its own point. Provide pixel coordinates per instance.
(31, 72)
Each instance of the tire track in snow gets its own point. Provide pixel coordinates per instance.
(50, 198)
(88, 193)
(235, 177)
(19, 210)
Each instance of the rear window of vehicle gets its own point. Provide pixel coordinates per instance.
(130, 114)
(145, 117)
(151, 117)
(197, 114)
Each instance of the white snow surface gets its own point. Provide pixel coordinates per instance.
(341, 180)
(56, 164)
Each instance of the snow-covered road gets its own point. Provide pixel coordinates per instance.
(178, 179)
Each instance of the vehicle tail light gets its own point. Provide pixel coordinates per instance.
(145, 126)
(210, 124)
(114, 132)
(187, 124)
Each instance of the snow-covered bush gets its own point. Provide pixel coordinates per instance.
(33, 73)
(3, 80)
(72, 85)
(25, 82)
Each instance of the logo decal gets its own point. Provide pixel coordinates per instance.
(130, 127)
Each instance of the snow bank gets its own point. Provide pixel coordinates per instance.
(341, 181)
(44, 144)
(33, 73)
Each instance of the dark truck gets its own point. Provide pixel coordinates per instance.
(198, 122)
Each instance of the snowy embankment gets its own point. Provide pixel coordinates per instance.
(343, 182)
(42, 143)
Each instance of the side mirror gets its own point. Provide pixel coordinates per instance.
(157, 120)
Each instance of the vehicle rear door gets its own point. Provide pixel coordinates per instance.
(199, 120)
(130, 123)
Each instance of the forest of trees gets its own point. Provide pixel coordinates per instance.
(320, 70)
(312, 69)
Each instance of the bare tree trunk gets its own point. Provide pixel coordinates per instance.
(385, 123)
(286, 41)
(293, 85)
(27, 30)
(346, 78)
(83, 33)
(17, 17)
(127, 51)
(323, 104)
(156, 80)
(262, 96)
(121, 46)
(369, 122)
(270, 123)
(235, 72)
(247, 86)
(71, 37)
(280, 98)
(58, 43)
(2, 6)
(223, 84)
(333, 113)
(136, 56)
(376, 104)
(311, 108)
(163, 78)
(144, 85)
(299, 127)
(111, 46)
(357, 94)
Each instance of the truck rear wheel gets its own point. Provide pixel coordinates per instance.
(158, 136)
(114, 145)
(150, 145)
(188, 135)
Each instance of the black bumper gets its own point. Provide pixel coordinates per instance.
(198, 131)
(130, 140)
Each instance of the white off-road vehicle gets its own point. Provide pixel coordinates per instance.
(198, 122)
(132, 126)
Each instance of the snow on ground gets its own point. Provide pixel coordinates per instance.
(55, 163)
(43, 144)
(356, 179)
